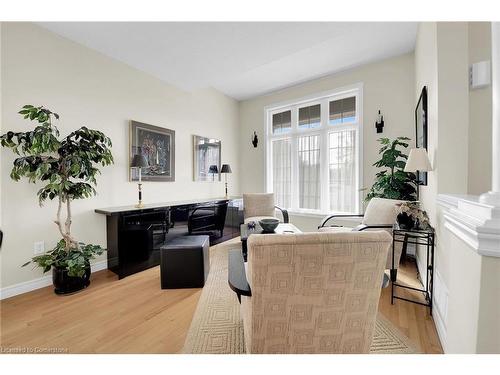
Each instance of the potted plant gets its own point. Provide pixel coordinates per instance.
(67, 168)
(393, 182)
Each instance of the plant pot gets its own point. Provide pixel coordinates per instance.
(64, 284)
(405, 221)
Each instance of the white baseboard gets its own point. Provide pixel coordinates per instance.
(439, 301)
(440, 309)
(41, 282)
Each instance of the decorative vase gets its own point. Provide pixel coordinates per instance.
(64, 284)
(405, 221)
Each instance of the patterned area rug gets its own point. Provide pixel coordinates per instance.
(217, 327)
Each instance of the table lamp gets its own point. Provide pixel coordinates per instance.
(139, 161)
(418, 160)
(225, 169)
(213, 169)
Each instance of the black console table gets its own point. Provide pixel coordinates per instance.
(425, 237)
(135, 235)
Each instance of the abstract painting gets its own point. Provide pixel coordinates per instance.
(158, 147)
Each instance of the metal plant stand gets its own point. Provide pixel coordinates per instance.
(424, 237)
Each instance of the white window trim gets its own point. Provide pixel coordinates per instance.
(294, 104)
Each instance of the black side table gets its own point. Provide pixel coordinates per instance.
(425, 237)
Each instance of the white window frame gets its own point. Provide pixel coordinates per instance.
(323, 130)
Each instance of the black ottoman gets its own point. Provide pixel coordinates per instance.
(185, 262)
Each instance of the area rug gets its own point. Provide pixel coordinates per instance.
(217, 327)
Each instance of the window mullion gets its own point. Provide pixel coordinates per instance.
(295, 159)
(324, 158)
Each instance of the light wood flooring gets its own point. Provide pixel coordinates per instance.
(134, 315)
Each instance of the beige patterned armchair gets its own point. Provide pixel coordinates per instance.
(313, 292)
(257, 206)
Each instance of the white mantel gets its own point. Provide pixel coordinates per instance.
(476, 223)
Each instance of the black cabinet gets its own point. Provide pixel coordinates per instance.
(135, 236)
(134, 240)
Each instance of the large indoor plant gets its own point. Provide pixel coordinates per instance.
(392, 182)
(67, 168)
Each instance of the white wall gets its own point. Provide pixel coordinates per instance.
(87, 88)
(387, 85)
(426, 74)
(1, 122)
(441, 64)
(460, 150)
(479, 178)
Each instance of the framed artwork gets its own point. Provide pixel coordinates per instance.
(421, 130)
(158, 147)
(206, 158)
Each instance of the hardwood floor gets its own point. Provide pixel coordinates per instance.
(134, 315)
(412, 319)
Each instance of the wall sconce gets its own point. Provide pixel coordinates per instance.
(379, 124)
(255, 140)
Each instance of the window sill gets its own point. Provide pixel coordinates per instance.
(306, 214)
(316, 214)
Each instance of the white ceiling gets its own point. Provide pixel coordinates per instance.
(241, 59)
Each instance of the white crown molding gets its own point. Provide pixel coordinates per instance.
(474, 222)
(41, 282)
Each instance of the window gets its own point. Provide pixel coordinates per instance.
(282, 122)
(309, 172)
(314, 152)
(282, 172)
(342, 111)
(309, 117)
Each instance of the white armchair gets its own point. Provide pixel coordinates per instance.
(258, 206)
(380, 214)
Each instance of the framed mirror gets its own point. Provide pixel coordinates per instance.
(206, 157)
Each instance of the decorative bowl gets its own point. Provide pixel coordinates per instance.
(269, 225)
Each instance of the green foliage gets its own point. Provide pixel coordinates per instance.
(66, 166)
(75, 260)
(67, 169)
(393, 182)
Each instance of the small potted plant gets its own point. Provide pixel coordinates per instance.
(411, 216)
(67, 168)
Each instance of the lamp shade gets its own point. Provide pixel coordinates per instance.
(418, 160)
(139, 161)
(213, 169)
(225, 168)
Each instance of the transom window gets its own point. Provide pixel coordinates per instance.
(314, 152)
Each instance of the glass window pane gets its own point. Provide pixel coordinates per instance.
(349, 109)
(309, 172)
(342, 111)
(282, 172)
(282, 122)
(342, 171)
(310, 117)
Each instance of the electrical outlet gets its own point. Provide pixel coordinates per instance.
(39, 248)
